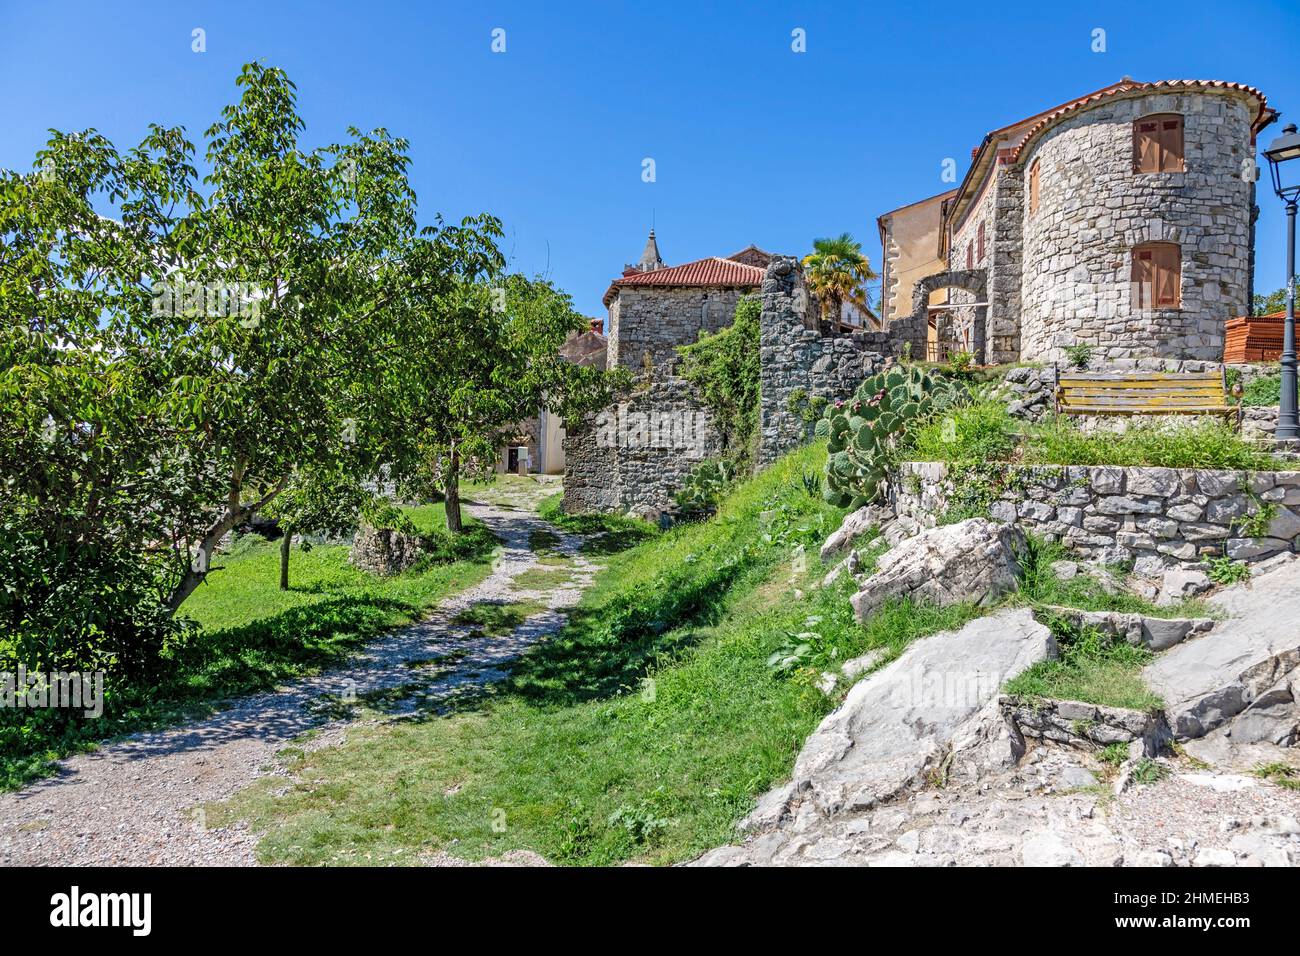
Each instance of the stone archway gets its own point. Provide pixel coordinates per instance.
(973, 281)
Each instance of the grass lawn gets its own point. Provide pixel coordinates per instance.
(644, 730)
(252, 636)
(1094, 669)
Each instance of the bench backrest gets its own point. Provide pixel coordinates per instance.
(1141, 393)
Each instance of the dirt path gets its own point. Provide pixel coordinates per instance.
(134, 802)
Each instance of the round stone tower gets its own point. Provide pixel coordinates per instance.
(1137, 209)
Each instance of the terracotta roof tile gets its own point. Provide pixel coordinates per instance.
(713, 271)
(1127, 87)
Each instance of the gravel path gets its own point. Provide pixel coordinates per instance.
(134, 802)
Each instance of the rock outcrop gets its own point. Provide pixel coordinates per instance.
(974, 561)
(898, 722)
(1246, 670)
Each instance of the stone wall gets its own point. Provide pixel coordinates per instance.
(802, 361)
(384, 551)
(644, 319)
(634, 455)
(1094, 209)
(1154, 517)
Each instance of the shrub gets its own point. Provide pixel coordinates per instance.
(705, 485)
(1224, 570)
(725, 366)
(1079, 354)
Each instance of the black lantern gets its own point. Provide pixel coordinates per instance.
(1287, 147)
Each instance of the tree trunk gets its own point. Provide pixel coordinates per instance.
(451, 491)
(286, 541)
(197, 571)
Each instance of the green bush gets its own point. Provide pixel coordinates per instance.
(724, 366)
(706, 483)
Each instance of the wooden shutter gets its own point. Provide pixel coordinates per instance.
(979, 255)
(1142, 276)
(1033, 188)
(1157, 276)
(1158, 144)
(1146, 146)
(1168, 275)
(1171, 144)
(970, 256)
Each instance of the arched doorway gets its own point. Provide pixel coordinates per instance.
(960, 324)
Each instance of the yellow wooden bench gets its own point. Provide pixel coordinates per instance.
(1144, 393)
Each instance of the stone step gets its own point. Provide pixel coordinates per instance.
(1155, 633)
(1247, 671)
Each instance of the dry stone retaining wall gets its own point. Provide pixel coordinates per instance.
(1155, 517)
(636, 454)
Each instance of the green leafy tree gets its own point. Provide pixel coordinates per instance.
(838, 271)
(174, 351)
(490, 358)
(1272, 303)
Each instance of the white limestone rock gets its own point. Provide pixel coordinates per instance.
(974, 561)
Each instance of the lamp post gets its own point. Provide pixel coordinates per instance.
(1286, 147)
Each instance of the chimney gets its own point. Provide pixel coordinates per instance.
(597, 325)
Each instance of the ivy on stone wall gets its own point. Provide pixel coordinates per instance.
(724, 366)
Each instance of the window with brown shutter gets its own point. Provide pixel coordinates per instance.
(979, 254)
(970, 256)
(1158, 144)
(1033, 188)
(1157, 276)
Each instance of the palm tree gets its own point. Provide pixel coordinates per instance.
(838, 272)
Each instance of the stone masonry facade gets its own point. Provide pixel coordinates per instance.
(1053, 211)
(654, 321)
(1094, 209)
(633, 456)
(1156, 518)
(803, 364)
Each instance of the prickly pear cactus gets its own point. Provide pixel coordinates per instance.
(860, 431)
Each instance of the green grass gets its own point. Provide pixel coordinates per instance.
(1282, 774)
(252, 636)
(984, 432)
(541, 579)
(1203, 444)
(643, 730)
(498, 620)
(1262, 391)
(1040, 587)
(607, 534)
(1092, 668)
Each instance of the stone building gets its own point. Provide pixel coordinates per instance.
(654, 308)
(1122, 220)
(634, 455)
(537, 446)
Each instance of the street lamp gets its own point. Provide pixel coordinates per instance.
(1285, 147)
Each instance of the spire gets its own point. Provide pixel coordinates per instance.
(650, 259)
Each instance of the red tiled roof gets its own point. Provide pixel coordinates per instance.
(713, 271)
(1133, 85)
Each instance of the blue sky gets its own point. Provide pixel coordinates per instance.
(752, 142)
